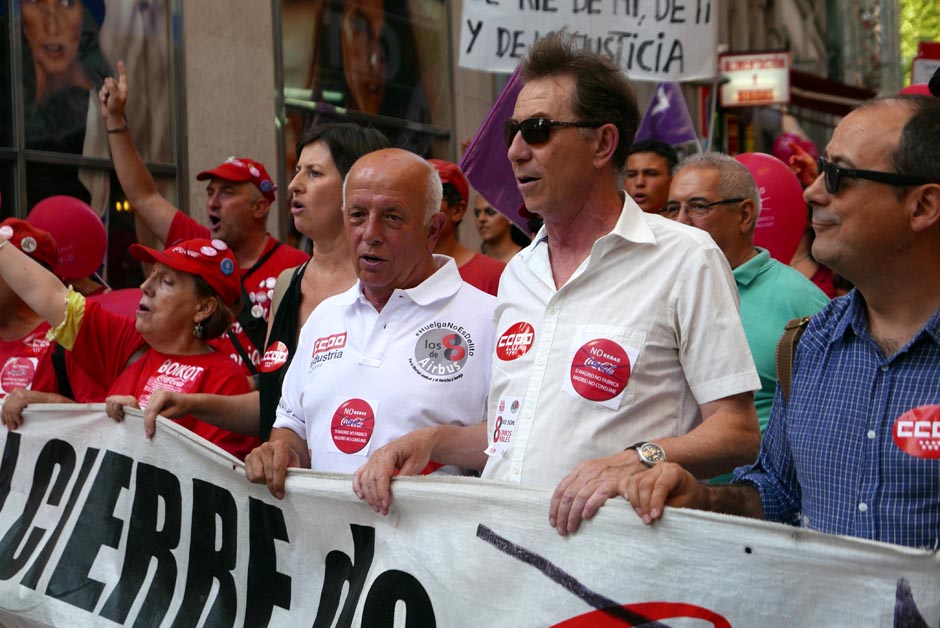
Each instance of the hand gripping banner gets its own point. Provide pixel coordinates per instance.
(102, 527)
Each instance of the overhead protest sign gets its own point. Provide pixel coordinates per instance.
(100, 526)
(652, 40)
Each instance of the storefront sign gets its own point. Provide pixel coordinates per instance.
(652, 40)
(754, 79)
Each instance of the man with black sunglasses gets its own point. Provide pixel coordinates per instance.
(619, 341)
(852, 449)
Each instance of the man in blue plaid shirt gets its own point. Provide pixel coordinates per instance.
(855, 450)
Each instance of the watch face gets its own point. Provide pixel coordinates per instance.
(652, 453)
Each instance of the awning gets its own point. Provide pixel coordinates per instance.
(825, 95)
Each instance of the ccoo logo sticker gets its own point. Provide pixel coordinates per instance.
(515, 341)
(274, 358)
(917, 432)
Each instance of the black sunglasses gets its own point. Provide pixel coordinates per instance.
(833, 174)
(537, 130)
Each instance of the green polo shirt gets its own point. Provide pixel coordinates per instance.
(771, 293)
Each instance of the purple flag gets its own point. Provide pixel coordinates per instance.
(485, 163)
(667, 119)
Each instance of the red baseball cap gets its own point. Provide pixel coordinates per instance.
(35, 242)
(210, 259)
(451, 173)
(242, 169)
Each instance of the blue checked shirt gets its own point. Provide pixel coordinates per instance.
(828, 460)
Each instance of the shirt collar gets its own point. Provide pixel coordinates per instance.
(856, 319)
(749, 270)
(632, 225)
(442, 284)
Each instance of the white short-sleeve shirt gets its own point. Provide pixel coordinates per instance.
(363, 378)
(645, 331)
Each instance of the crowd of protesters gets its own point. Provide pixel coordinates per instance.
(630, 350)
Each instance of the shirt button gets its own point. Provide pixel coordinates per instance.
(871, 433)
(863, 507)
(884, 368)
(516, 469)
(552, 310)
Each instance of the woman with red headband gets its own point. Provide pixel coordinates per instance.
(187, 300)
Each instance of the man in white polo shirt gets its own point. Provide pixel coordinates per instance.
(407, 347)
(619, 343)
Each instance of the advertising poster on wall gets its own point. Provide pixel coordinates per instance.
(68, 49)
(383, 63)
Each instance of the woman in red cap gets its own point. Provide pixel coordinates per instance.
(325, 154)
(187, 300)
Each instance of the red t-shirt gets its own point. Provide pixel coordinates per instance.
(105, 343)
(19, 359)
(211, 373)
(258, 282)
(482, 272)
(85, 389)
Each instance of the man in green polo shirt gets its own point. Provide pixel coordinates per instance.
(715, 193)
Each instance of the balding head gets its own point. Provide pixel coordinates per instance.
(391, 207)
(401, 163)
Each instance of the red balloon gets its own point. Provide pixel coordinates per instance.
(920, 89)
(783, 210)
(123, 302)
(77, 230)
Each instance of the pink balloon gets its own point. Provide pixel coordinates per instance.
(123, 302)
(77, 230)
(783, 210)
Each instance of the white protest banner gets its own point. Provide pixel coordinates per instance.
(652, 40)
(101, 527)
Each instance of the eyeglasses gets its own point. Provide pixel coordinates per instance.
(833, 174)
(695, 209)
(537, 130)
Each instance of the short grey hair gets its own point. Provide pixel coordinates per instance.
(434, 192)
(734, 180)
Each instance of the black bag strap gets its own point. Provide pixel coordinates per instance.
(786, 351)
(61, 375)
(255, 327)
(242, 353)
(261, 260)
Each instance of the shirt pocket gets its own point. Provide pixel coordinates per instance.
(600, 363)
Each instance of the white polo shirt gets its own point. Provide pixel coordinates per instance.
(363, 378)
(644, 331)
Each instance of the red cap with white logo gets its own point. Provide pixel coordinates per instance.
(210, 259)
(241, 169)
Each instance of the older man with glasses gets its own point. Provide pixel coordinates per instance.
(853, 449)
(619, 342)
(717, 194)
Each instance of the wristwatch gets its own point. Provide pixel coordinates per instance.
(649, 453)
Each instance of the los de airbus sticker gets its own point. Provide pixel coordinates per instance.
(441, 351)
